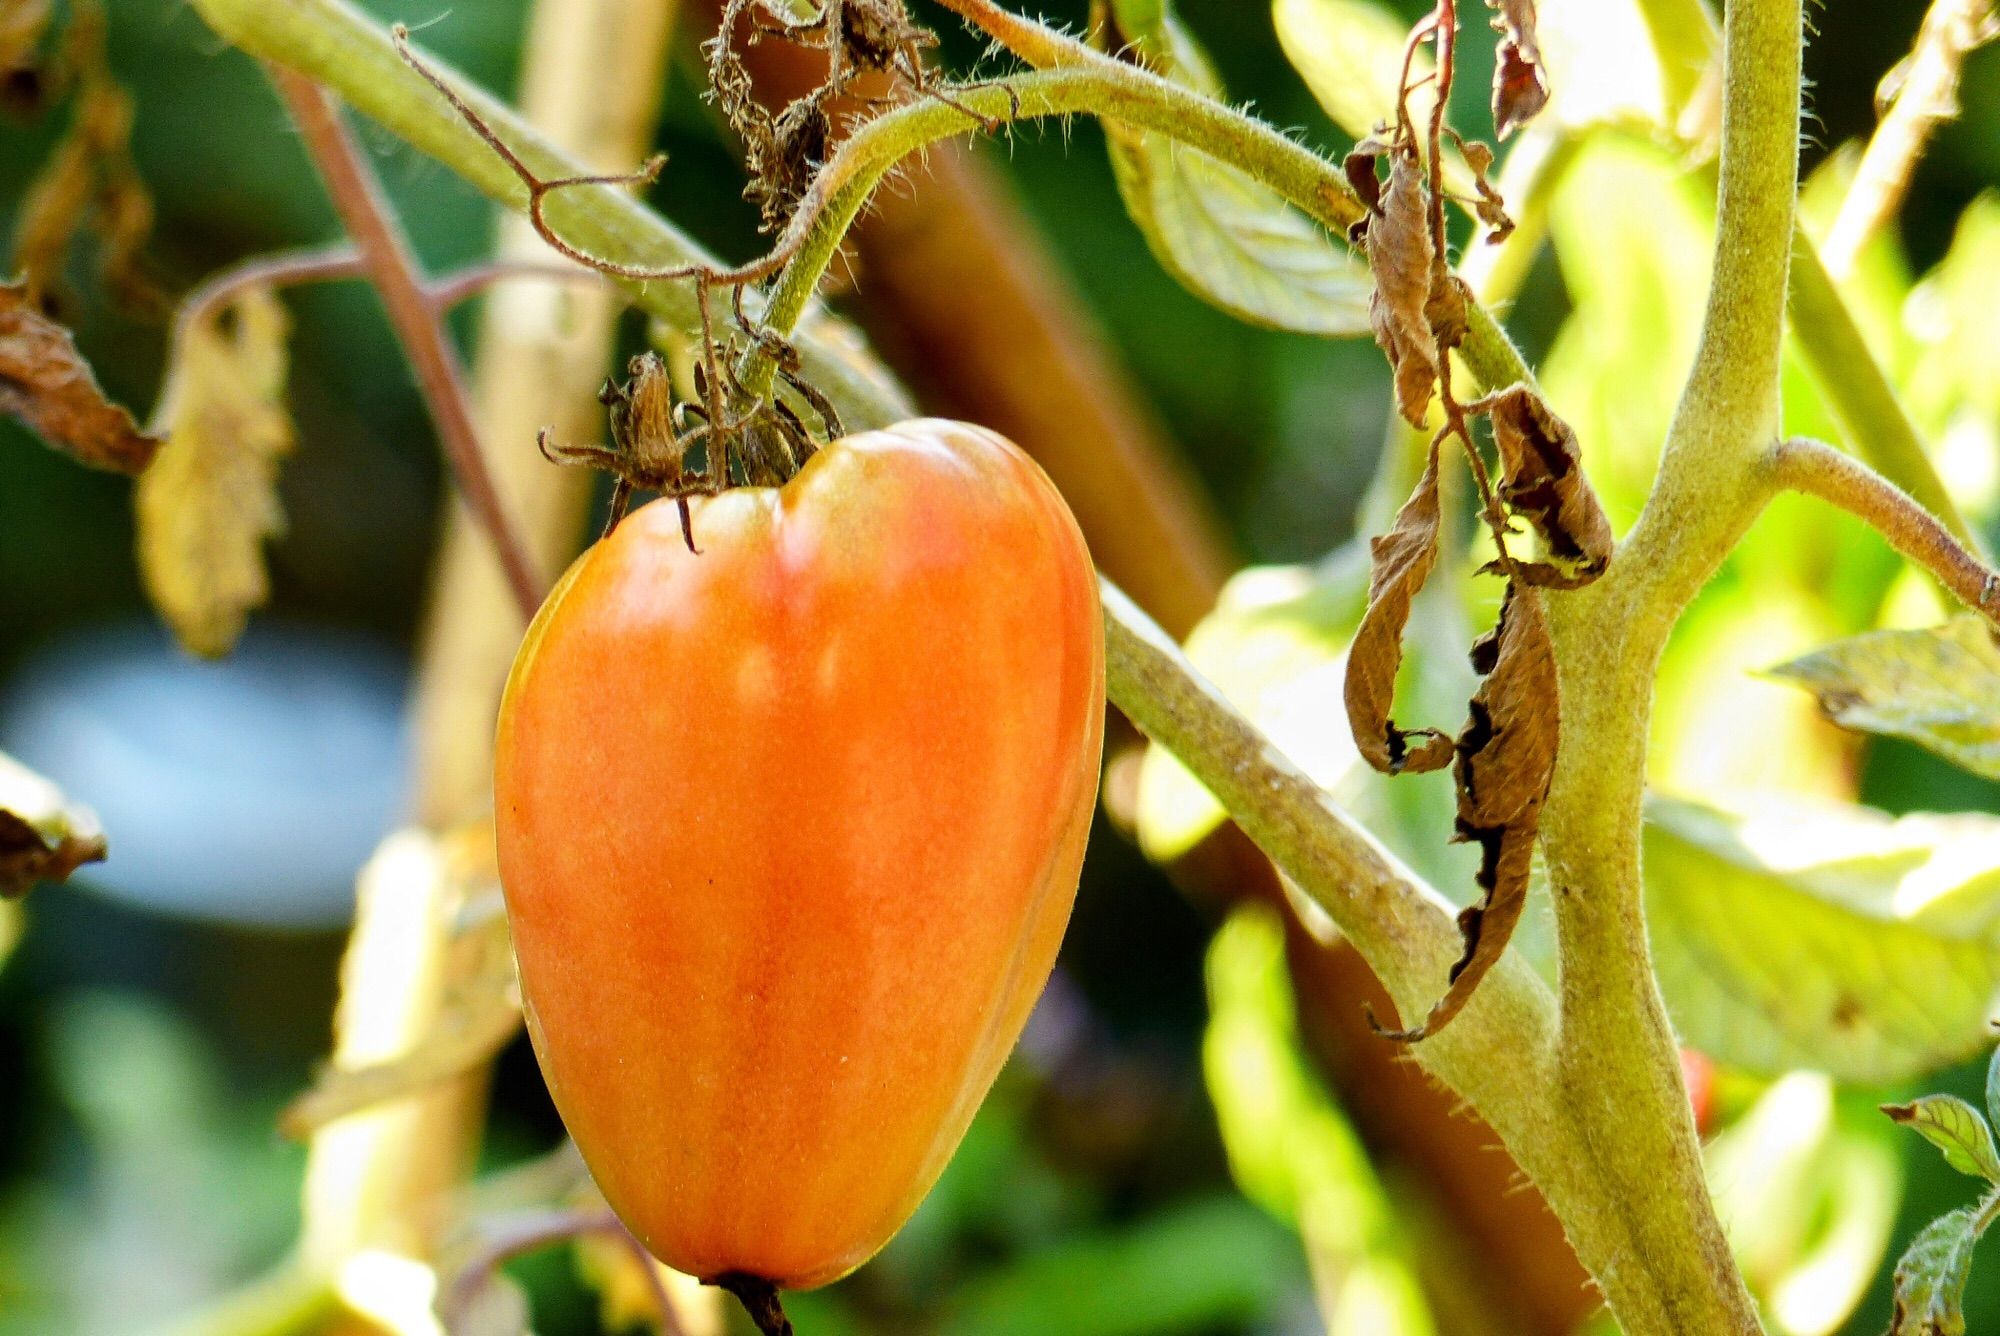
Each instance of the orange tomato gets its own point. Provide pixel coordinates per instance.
(790, 830)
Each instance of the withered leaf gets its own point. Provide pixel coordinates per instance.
(1403, 558)
(210, 500)
(1490, 207)
(43, 835)
(1542, 481)
(46, 384)
(1400, 255)
(1520, 84)
(1506, 759)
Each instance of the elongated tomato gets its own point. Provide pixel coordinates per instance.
(790, 831)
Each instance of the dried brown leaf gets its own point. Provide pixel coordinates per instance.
(1505, 761)
(1403, 558)
(1507, 753)
(1403, 262)
(1542, 481)
(1490, 207)
(46, 384)
(210, 500)
(43, 835)
(1520, 84)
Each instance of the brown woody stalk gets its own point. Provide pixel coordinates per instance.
(365, 211)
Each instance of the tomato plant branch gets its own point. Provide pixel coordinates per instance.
(1818, 469)
(358, 198)
(1852, 382)
(1928, 97)
(1620, 1063)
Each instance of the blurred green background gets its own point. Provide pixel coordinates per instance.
(144, 1054)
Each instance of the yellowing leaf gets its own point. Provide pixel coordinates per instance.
(210, 499)
(43, 835)
(1939, 688)
(89, 179)
(1227, 238)
(1825, 936)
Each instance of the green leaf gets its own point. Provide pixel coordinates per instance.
(1825, 936)
(1939, 688)
(1227, 238)
(1930, 1280)
(1954, 1127)
(1350, 54)
(1954, 320)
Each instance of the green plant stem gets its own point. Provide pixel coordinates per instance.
(1856, 389)
(1621, 1073)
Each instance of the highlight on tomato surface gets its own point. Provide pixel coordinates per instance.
(789, 830)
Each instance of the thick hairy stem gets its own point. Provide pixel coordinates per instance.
(1817, 469)
(1621, 1079)
(364, 209)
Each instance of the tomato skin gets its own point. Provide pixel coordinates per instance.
(790, 831)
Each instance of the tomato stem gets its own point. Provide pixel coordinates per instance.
(759, 1298)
